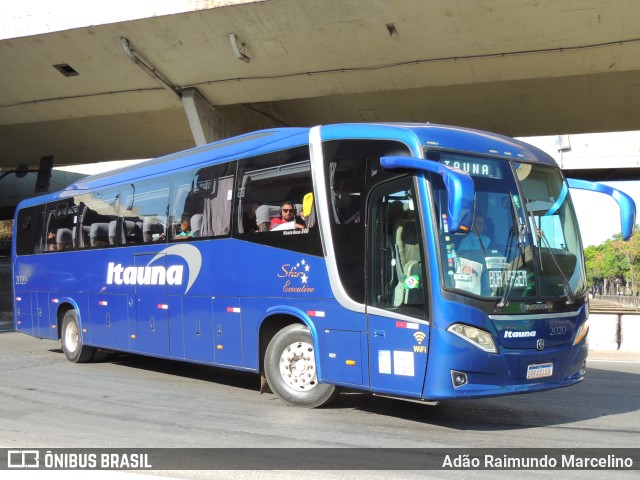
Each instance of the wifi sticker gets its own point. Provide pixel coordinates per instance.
(419, 336)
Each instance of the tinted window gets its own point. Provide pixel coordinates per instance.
(352, 168)
(61, 216)
(275, 201)
(98, 222)
(29, 230)
(202, 202)
(145, 206)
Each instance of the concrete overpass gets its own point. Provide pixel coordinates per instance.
(143, 88)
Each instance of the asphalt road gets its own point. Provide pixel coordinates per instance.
(136, 402)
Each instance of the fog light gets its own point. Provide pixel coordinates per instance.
(583, 369)
(458, 378)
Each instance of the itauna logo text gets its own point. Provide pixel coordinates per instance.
(511, 334)
(156, 274)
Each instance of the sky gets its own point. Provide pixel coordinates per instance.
(598, 214)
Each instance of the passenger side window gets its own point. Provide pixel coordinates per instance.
(186, 219)
(60, 226)
(275, 201)
(97, 225)
(29, 230)
(144, 212)
(202, 202)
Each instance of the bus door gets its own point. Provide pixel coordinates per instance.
(152, 306)
(396, 300)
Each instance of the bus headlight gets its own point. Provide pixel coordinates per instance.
(480, 338)
(582, 332)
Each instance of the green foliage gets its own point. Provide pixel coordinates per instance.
(6, 227)
(615, 259)
(5, 237)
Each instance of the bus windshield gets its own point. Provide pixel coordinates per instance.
(524, 242)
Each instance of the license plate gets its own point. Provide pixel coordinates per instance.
(539, 371)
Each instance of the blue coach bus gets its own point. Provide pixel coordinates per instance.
(415, 261)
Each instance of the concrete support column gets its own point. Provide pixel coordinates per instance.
(200, 114)
(209, 124)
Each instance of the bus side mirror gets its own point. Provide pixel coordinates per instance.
(459, 185)
(625, 202)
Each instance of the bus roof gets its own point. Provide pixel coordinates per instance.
(264, 141)
(446, 137)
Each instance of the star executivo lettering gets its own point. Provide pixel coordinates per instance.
(297, 272)
(157, 274)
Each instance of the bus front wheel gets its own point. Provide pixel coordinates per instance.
(71, 340)
(290, 368)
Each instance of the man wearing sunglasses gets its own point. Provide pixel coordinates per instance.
(288, 214)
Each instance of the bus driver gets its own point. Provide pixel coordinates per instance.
(475, 240)
(288, 214)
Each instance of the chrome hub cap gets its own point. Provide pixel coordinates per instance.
(71, 337)
(298, 367)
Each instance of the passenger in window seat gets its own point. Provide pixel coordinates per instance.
(185, 230)
(288, 214)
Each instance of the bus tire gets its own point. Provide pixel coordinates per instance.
(71, 340)
(100, 355)
(290, 369)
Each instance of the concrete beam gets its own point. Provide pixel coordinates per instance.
(200, 114)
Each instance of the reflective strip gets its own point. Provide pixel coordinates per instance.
(233, 309)
(103, 303)
(315, 313)
(54, 300)
(162, 306)
(395, 316)
(409, 325)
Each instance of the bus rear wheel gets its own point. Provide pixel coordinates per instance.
(290, 369)
(71, 340)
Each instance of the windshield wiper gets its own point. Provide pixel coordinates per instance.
(567, 286)
(475, 229)
(519, 230)
(538, 233)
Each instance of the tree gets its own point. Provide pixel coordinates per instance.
(630, 253)
(614, 261)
